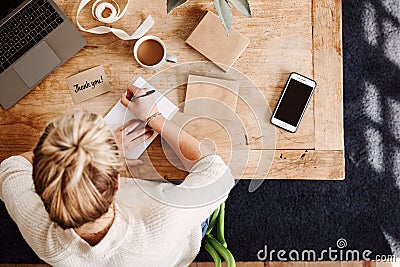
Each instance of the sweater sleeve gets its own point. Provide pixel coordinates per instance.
(209, 184)
(23, 204)
(13, 168)
(187, 205)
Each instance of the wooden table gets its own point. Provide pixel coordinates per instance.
(303, 36)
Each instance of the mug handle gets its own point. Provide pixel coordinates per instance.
(171, 58)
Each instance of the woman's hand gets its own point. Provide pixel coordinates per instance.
(142, 107)
(130, 135)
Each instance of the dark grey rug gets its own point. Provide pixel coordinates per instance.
(305, 215)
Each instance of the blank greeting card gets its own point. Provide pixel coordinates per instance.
(119, 115)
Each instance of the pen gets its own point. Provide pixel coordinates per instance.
(133, 98)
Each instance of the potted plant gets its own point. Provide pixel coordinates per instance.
(223, 8)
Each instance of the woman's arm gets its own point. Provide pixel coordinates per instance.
(23, 204)
(187, 148)
(203, 190)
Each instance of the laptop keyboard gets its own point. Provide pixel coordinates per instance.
(25, 29)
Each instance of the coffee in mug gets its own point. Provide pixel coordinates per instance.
(150, 52)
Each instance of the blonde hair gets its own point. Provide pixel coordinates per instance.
(75, 168)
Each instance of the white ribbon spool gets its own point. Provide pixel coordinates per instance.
(99, 7)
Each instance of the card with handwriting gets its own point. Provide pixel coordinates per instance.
(88, 84)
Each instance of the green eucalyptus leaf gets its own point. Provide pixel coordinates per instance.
(242, 6)
(172, 4)
(225, 14)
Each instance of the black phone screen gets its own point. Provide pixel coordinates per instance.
(293, 102)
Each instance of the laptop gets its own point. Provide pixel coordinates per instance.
(36, 37)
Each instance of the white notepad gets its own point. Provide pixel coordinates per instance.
(119, 115)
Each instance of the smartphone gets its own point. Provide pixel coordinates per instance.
(293, 102)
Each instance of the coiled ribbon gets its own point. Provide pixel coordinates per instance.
(97, 11)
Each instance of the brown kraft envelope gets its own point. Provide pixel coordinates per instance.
(218, 96)
(210, 39)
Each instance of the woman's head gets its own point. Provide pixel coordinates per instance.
(75, 168)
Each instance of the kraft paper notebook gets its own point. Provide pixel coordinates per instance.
(119, 115)
(210, 39)
(216, 98)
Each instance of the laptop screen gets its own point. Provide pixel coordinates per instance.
(6, 6)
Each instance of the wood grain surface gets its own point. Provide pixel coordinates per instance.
(328, 100)
(285, 36)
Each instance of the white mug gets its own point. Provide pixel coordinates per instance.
(165, 58)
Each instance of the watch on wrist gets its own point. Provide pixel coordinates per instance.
(152, 117)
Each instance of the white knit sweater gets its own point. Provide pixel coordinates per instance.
(145, 232)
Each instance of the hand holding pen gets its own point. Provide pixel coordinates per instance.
(140, 102)
(133, 98)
